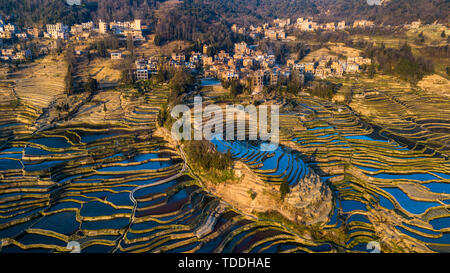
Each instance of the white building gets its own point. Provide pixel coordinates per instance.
(103, 27)
(57, 31)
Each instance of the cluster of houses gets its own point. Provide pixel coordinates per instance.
(84, 30)
(248, 65)
(11, 54)
(58, 33)
(146, 66)
(253, 68)
(277, 30)
(129, 29)
(257, 69)
(330, 66)
(10, 31)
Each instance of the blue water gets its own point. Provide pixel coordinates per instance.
(414, 176)
(10, 125)
(12, 149)
(440, 223)
(210, 82)
(364, 138)
(445, 239)
(7, 164)
(116, 223)
(11, 155)
(42, 166)
(152, 165)
(94, 137)
(30, 239)
(62, 222)
(52, 142)
(367, 168)
(424, 230)
(327, 135)
(415, 207)
(95, 208)
(351, 205)
(140, 157)
(358, 217)
(385, 202)
(443, 175)
(320, 128)
(32, 151)
(438, 187)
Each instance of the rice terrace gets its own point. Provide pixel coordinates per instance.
(89, 162)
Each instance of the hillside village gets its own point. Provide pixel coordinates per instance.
(247, 64)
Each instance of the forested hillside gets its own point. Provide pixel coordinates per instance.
(27, 12)
(393, 12)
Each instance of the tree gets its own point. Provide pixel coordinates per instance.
(421, 37)
(91, 85)
(181, 82)
(126, 68)
(348, 96)
(295, 83)
(130, 46)
(101, 49)
(68, 79)
(157, 40)
(371, 70)
(284, 189)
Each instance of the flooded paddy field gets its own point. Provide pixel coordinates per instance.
(387, 186)
(110, 185)
(388, 189)
(105, 180)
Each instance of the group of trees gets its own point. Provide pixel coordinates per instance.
(91, 85)
(286, 85)
(204, 153)
(436, 51)
(68, 80)
(284, 51)
(235, 86)
(196, 22)
(192, 15)
(30, 12)
(284, 189)
(181, 81)
(323, 89)
(400, 62)
(110, 42)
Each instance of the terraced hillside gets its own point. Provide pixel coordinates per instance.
(390, 187)
(415, 116)
(386, 190)
(103, 180)
(107, 179)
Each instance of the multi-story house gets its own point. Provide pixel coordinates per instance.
(141, 74)
(103, 27)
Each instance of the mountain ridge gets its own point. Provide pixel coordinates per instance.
(388, 12)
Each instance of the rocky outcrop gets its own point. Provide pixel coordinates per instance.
(311, 198)
(309, 201)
